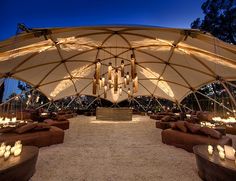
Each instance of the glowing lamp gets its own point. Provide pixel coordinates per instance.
(7, 120)
(18, 151)
(13, 150)
(127, 78)
(105, 88)
(222, 155)
(3, 146)
(7, 155)
(105, 91)
(132, 66)
(13, 119)
(122, 66)
(129, 93)
(135, 83)
(2, 151)
(220, 148)
(116, 81)
(210, 149)
(109, 69)
(8, 148)
(120, 90)
(125, 82)
(98, 68)
(37, 99)
(103, 81)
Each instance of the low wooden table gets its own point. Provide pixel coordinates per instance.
(212, 167)
(19, 168)
(114, 114)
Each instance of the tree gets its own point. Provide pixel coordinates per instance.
(219, 20)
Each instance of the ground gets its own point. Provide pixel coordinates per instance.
(100, 151)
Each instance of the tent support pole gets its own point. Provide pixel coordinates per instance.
(187, 107)
(70, 102)
(55, 105)
(230, 95)
(42, 105)
(230, 83)
(156, 99)
(23, 92)
(139, 104)
(149, 103)
(214, 101)
(199, 105)
(91, 103)
(179, 106)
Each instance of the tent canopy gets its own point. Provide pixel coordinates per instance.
(170, 63)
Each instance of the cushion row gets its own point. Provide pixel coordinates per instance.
(196, 129)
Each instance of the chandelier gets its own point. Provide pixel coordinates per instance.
(116, 78)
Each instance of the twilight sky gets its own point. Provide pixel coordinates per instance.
(61, 13)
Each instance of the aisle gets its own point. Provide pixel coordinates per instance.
(96, 150)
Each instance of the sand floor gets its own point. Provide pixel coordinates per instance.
(97, 150)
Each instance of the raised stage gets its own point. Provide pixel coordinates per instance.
(114, 114)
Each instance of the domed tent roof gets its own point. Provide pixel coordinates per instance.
(170, 63)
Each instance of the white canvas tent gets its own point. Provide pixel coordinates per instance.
(171, 63)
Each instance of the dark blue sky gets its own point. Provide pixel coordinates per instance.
(59, 13)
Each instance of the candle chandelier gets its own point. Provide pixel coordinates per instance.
(116, 78)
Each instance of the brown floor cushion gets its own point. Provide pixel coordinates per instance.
(38, 138)
(60, 124)
(188, 140)
(26, 128)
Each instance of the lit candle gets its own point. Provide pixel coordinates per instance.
(6, 155)
(7, 120)
(37, 99)
(125, 82)
(13, 149)
(17, 151)
(103, 81)
(105, 88)
(220, 148)
(18, 142)
(8, 148)
(120, 90)
(127, 78)
(222, 155)
(2, 151)
(210, 149)
(13, 119)
(3, 146)
(188, 115)
(18, 148)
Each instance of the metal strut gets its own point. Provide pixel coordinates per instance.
(199, 105)
(214, 101)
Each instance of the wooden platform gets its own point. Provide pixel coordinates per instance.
(114, 114)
